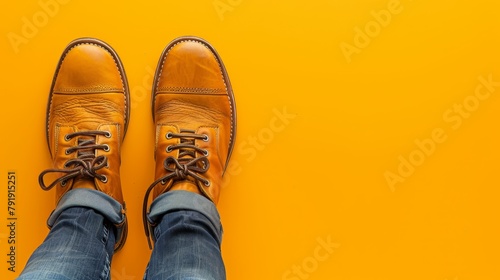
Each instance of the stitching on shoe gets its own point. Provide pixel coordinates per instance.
(50, 113)
(56, 133)
(190, 90)
(97, 89)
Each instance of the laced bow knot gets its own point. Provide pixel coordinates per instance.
(85, 165)
(179, 169)
(181, 173)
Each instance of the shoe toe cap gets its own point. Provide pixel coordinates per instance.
(191, 66)
(88, 67)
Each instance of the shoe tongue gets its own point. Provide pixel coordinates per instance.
(187, 154)
(83, 183)
(87, 155)
(185, 185)
(86, 140)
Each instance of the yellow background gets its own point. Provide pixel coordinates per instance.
(319, 174)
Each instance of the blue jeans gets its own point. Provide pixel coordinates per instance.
(80, 244)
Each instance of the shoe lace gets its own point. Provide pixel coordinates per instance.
(85, 165)
(191, 162)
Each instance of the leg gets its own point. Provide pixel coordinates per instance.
(188, 238)
(79, 246)
(86, 121)
(195, 118)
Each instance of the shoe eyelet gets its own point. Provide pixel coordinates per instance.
(207, 184)
(67, 152)
(67, 138)
(63, 183)
(108, 134)
(205, 153)
(205, 138)
(168, 135)
(104, 179)
(169, 149)
(163, 182)
(106, 148)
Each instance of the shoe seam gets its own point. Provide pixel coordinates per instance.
(97, 89)
(189, 90)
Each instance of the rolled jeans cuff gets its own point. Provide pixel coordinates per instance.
(111, 209)
(187, 201)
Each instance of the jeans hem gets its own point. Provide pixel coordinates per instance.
(107, 206)
(184, 200)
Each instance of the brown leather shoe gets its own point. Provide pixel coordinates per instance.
(195, 118)
(87, 118)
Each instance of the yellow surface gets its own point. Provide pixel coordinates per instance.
(383, 144)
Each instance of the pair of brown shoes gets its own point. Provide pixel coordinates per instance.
(89, 110)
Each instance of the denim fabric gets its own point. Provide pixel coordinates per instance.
(80, 244)
(102, 203)
(188, 238)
